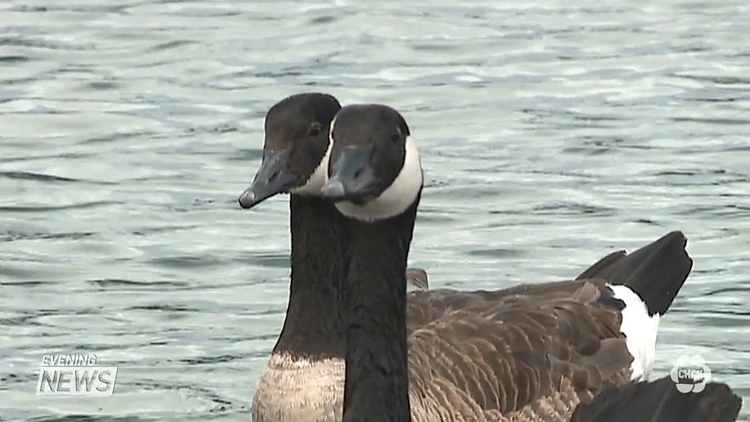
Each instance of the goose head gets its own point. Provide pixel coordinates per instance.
(296, 143)
(373, 170)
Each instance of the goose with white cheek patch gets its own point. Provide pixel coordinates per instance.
(304, 378)
(528, 353)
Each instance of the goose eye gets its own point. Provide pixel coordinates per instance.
(396, 137)
(315, 129)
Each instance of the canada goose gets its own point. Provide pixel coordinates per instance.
(530, 353)
(304, 391)
(660, 401)
(304, 377)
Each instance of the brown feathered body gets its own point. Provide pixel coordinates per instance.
(533, 352)
(519, 357)
(530, 352)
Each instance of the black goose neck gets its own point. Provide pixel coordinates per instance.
(314, 326)
(377, 385)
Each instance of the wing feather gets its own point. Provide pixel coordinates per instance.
(515, 355)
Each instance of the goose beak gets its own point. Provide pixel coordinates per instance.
(273, 177)
(351, 176)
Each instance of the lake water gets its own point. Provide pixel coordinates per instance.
(551, 134)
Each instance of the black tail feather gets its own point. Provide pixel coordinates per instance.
(660, 401)
(602, 266)
(656, 271)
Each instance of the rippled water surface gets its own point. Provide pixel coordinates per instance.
(550, 135)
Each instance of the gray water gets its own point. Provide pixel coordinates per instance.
(550, 136)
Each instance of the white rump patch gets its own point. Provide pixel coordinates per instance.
(397, 197)
(640, 330)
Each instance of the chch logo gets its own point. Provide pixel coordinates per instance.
(690, 373)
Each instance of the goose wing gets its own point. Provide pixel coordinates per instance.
(423, 307)
(662, 259)
(520, 357)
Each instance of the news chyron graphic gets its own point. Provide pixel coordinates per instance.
(75, 375)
